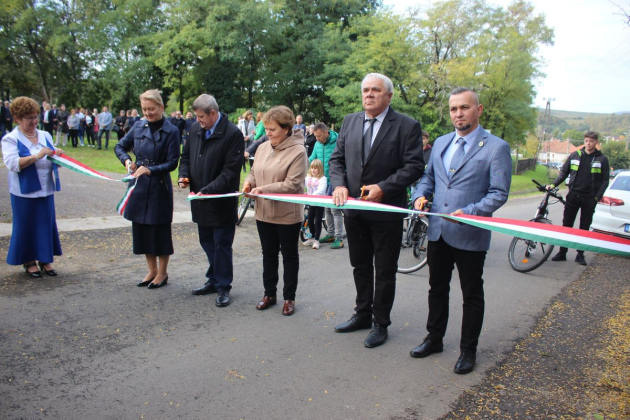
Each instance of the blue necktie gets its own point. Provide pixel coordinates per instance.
(457, 157)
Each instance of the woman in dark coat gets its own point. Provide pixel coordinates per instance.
(155, 142)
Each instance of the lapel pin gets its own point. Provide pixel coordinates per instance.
(480, 144)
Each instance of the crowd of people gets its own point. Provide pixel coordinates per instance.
(377, 155)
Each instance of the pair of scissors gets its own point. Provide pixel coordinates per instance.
(364, 193)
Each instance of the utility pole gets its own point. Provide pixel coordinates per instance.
(546, 119)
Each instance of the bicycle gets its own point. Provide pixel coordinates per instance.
(413, 249)
(525, 254)
(244, 203)
(304, 230)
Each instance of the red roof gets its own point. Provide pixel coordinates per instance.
(558, 146)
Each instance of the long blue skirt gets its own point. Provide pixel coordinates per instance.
(35, 236)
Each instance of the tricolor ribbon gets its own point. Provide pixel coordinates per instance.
(76, 166)
(122, 205)
(549, 234)
(193, 196)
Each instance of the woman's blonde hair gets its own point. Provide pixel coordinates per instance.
(248, 113)
(317, 164)
(152, 95)
(281, 115)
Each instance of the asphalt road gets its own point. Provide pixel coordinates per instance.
(90, 344)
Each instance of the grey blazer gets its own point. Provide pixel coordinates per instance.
(479, 187)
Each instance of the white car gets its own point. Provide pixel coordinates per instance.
(612, 213)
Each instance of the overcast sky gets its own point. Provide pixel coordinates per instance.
(588, 67)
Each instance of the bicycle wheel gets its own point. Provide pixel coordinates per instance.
(526, 255)
(243, 206)
(413, 250)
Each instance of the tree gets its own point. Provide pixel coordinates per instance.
(618, 156)
(574, 135)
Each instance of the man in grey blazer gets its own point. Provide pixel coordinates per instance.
(469, 173)
(378, 153)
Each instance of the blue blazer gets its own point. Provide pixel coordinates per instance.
(479, 187)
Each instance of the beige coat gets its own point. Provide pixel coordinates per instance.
(280, 171)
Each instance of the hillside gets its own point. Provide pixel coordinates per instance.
(606, 124)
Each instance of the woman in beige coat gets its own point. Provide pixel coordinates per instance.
(281, 166)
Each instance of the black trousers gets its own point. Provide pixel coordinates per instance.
(74, 137)
(578, 202)
(315, 217)
(442, 258)
(275, 238)
(217, 243)
(374, 247)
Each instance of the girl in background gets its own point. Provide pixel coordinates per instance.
(315, 185)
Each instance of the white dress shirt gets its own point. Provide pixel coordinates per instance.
(12, 161)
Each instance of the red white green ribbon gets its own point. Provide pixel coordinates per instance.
(122, 205)
(549, 234)
(193, 196)
(76, 166)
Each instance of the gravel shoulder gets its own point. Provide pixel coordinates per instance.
(575, 364)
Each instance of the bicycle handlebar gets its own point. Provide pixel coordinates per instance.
(552, 192)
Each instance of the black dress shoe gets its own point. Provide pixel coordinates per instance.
(376, 337)
(223, 298)
(466, 362)
(206, 289)
(579, 258)
(354, 324)
(429, 346)
(144, 283)
(158, 285)
(560, 256)
(53, 273)
(34, 274)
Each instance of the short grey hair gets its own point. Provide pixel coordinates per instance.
(205, 103)
(460, 90)
(320, 126)
(389, 86)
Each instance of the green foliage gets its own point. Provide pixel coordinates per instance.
(604, 124)
(310, 56)
(574, 135)
(618, 156)
(523, 183)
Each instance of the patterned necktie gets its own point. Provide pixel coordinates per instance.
(367, 138)
(457, 157)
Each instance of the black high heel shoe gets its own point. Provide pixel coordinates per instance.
(34, 274)
(51, 273)
(158, 285)
(144, 283)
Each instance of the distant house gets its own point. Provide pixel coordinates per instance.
(555, 150)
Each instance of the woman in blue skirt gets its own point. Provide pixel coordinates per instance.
(33, 180)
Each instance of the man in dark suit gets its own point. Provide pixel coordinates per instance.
(379, 151)
(211, 164)
(469, 173)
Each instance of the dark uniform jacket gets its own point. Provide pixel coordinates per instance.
(394, 163)
(151, 203)
(213, 166)
(597, 166)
